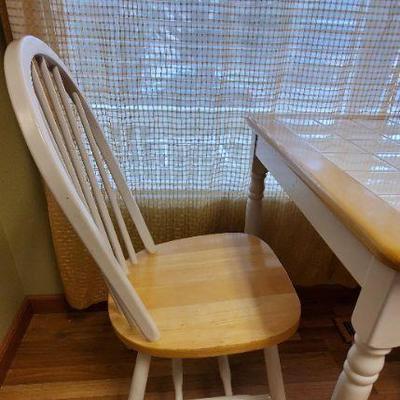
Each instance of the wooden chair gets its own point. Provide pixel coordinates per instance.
(205, 296)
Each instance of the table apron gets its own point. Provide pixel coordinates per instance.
(350, 251)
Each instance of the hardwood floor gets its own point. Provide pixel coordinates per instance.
(77, 356)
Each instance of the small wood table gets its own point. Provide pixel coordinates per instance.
(344, 175)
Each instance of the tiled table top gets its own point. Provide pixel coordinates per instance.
(353, 165)
(366, 149)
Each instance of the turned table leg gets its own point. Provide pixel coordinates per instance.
(361, 370)
(253, 223)
(377, 323)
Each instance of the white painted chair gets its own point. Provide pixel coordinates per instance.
(205, 296)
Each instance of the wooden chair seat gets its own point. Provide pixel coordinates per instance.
(211, 295)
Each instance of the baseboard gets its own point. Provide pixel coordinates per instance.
(48, 303)
(33, 304)
(56, 303)
(9, 345)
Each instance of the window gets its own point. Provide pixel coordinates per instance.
(172, 81)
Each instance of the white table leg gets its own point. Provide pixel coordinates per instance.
(361, 370)
(377, 323)
(253, 224)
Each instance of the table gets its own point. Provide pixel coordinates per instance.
(344, 175)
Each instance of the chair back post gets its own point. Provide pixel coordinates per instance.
(76, 162)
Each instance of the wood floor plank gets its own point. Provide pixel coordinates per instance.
(76, 356)
(66, 390)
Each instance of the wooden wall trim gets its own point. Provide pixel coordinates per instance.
(49, 303)
(9, 345)
(33, 304)
(56, 303)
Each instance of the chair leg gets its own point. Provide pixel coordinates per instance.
(225, 374)
(274, 373)
(177, 374)
(140, 375)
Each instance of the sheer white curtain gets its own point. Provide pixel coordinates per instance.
(171, 82)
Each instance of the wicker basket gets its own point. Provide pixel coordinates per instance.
(82, 280)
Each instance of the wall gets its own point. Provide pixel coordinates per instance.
(27, 261)
(11, 290)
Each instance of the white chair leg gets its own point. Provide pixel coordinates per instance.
(177, 374)
(140, 375)
(225, 373)
(274, 373)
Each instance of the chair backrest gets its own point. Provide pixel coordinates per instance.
(73, 156)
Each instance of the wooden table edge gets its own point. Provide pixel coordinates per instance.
(383, 242)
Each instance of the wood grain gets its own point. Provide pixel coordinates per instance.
(211, 295)
(373, 221)
(10, 343)
(33, 304)
(77, 356)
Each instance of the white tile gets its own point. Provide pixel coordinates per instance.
(393, 200)
(336, 123)
(357, 133)
(382, 145)
(334, 145)
(380, 183)
(358, 162)
(391, 158)
(309, 135)
(372, 124)
(348, 129)
(383, 126)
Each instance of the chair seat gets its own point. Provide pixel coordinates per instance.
(211, 295)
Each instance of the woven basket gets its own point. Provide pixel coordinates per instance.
(82, 280)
